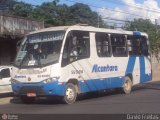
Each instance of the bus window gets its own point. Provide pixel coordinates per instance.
(40, 49)
(144, 46)
(119, 47)
(137, 45)
(103, 45)
(133, 45)
(77, 47)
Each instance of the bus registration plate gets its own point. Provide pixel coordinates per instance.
(31, 94)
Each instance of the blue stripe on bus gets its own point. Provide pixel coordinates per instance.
(99, 84)
(143, 76)
(142, 68)
(53, 88)
(130, 65)
(85, 86)
(107, 83)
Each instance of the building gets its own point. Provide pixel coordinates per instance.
(12, 30)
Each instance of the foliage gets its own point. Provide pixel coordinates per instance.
(6, 6)
(153, 31)
(55, 14)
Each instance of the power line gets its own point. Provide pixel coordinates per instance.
(101, 8)
(109, 18)
(109, 9)
(115, 23)
(131, 5)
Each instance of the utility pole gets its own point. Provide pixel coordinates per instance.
(98, 20)
(157, 44)
(156, 25)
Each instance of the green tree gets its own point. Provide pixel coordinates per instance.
(145, 25)
(55, 14)
(81, 13)
(22, 9)
(6, 6)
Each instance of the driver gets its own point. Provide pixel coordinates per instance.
(74, 50)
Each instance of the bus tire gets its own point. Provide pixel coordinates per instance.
(70, 94)
(127, 86)
(27, 100)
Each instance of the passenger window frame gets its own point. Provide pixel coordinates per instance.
(68, 46)
(137, 50)
(116, 38)
(101, 40)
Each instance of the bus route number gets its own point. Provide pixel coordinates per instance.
(76, 71)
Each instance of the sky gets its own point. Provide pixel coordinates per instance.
(117, 9)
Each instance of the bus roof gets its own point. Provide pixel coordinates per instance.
(89, 28)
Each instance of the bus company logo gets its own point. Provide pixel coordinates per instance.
(19, 76)
(4, 116)
(29, 79)
(107, 68)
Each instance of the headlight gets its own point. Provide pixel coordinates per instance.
(13, 81)
(49, 80)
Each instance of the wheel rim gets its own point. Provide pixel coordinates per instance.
(127, 85)
(70, 94)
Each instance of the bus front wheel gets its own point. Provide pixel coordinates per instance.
(127, 86)
(70, 94)
(27, 100)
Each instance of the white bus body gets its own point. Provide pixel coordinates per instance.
(109, 59)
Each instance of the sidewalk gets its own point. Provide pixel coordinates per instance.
(156, 71)
(5, 100)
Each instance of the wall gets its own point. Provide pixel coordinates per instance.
(12, 29)
(155, 68)
(10, 25)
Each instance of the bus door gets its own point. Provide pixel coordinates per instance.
(111, 50)
(78, 59)
(139, 55)
(145, 62)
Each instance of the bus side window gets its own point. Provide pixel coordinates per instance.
(80, 45)
(144, 46)
(77, 47)
(119, 46)
(137, 45)
(133, 45)
(103, 45)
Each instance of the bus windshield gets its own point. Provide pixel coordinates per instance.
(40, 49)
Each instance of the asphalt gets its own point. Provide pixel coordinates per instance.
(143, 99)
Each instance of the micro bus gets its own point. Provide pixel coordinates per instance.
(68, 61)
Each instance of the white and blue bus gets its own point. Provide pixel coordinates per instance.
(70, 60)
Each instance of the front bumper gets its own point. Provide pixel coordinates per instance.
(40, 89)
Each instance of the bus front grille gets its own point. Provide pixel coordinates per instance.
(31, 89)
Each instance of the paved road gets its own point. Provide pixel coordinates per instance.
(143, 99)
